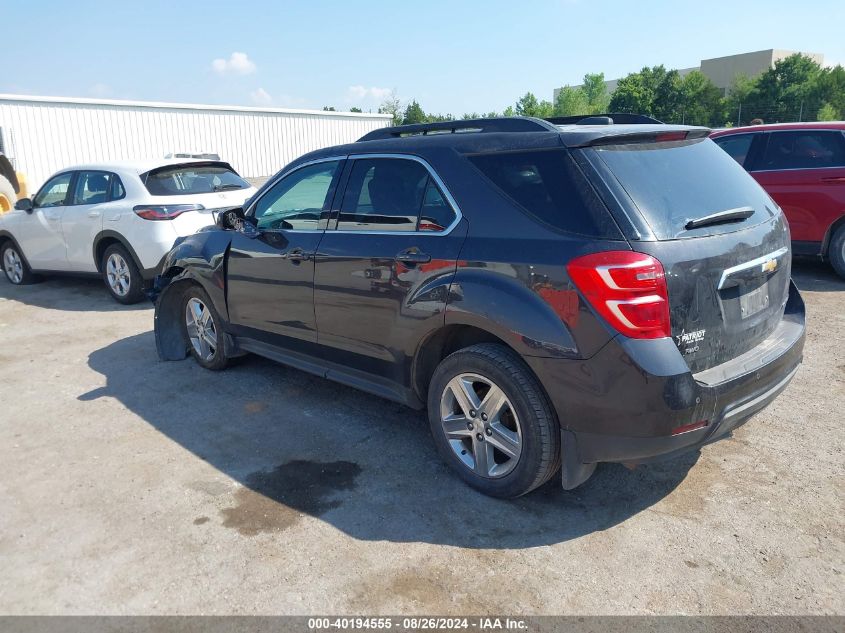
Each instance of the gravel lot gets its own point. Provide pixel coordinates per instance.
(132, 486)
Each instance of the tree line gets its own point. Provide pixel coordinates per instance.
(796, 88)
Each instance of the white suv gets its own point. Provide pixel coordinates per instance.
(117, 220)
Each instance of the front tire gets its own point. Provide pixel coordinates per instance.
(492, 422)
(201, 328)
(14, 265)
(836, 251)
(121, 275)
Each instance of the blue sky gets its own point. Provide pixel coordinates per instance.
(452, 56)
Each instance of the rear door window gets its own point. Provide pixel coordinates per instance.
(548, 186)
(674, 182)
(736, 145)
(393, 195)
(92, 187)
(183, 180)
(803, 150)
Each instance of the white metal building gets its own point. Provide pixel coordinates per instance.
(44, 134)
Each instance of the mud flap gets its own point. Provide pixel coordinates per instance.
(170, 342)
(573, 472)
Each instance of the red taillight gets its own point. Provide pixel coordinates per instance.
(628, 289)
(164, 211)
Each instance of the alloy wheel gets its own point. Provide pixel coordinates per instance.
(201, 330)
(481, 425)
(13, 266)
(117, 272)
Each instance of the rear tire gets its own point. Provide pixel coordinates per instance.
(836, 251)
(201, 328)
(121, 275)
(492, 422)
(14, 265)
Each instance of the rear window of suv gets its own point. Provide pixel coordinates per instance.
(672, 183)
(179, 180)
(549, 186)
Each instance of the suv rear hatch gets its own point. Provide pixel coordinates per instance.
(723, 243)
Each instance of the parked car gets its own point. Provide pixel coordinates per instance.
(802, 166)
(553, 295)
(116, 220)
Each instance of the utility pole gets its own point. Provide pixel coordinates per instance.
(801, 112)
(739, 115)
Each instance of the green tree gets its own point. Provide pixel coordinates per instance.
(329, 109)
(702, 102)
(509, 111)
(831, 89)
(738, 99)
(354, 109)
(413, 113)
(828, 113)
(595, 93)
(527, 105)
(635, 92)
(788, 91)
(571, 102)
(392, 106)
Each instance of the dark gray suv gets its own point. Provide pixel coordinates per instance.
(556, 296)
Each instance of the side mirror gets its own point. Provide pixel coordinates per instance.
(24, 204)
(236, 220)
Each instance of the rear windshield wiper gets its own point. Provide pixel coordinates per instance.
(230, 185)
(722, 217)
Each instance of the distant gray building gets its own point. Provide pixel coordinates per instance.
(722, 70)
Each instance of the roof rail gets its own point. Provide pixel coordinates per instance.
(615, 117)
(504, 124)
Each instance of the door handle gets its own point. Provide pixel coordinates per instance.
(834, 179)
(93, 214)
(413, 256)
(297, 255)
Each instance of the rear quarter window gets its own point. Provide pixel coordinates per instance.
(549, 186)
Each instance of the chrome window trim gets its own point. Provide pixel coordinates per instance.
(433, 174)
(273, 182)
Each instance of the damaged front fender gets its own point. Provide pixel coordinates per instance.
(195, 260)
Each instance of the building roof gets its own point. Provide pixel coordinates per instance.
(187, 106)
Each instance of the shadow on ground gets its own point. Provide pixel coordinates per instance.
(66, 293)
(816, 276)
(302, 445)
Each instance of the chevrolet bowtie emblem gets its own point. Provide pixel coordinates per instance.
(770, 266)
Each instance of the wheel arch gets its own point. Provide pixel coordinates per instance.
(170, 344)
(5, 236)
(831, 231)
(443, 342)
(103, 240)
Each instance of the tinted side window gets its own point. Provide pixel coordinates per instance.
(298, 200)
(183, 180)
(118, 192)
(804, 150)
(548, 185)
(54, 193)
(737, 146)
(436, 214)
(385, 194)
(92, 187)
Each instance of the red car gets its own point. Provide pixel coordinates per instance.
(801, 166)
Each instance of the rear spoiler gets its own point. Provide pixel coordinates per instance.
(188, 163)
(613, 135)
(618, 118)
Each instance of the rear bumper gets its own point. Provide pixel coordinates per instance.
(632, 401)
